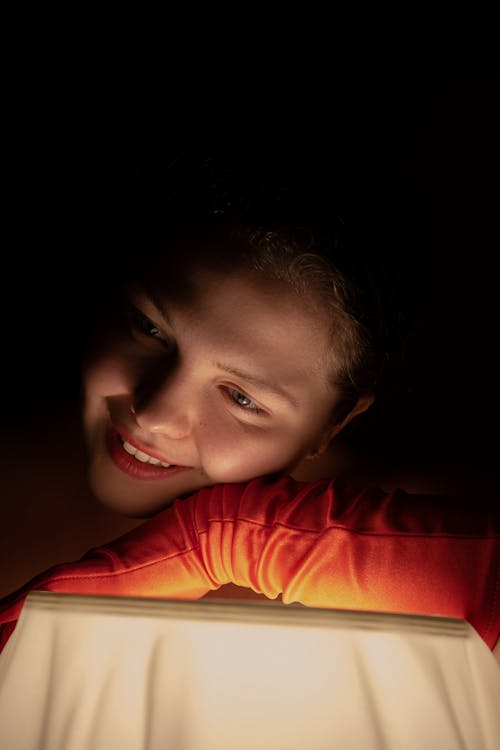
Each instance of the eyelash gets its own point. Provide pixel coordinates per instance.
(144, 325)
(233, 394)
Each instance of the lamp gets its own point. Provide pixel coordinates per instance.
(104, 673)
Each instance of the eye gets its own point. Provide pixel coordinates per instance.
(243, 401)
(145, 326)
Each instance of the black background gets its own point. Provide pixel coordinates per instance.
(414, 130)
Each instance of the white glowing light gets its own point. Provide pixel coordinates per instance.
(94, 673)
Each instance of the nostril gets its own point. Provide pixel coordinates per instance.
(163, 419)
(164, 403)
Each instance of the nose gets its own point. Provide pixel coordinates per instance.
(163, 401)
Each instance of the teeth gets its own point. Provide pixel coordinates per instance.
(143, 457)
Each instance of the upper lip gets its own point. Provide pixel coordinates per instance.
(144, 448)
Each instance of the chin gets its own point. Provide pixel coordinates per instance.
(130, 507)
(118, 496)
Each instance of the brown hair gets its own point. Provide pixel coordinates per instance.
(353, 359)
(281, 228)
(302, 258)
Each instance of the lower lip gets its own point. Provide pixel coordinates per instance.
(134, 468)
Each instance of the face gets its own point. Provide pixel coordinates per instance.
(223, 384)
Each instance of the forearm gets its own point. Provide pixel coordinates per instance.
(318, 544)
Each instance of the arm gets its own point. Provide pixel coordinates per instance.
(320, 544)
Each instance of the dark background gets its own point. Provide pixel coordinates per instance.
(410, 139)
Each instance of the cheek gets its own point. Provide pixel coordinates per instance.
(236, 455)
(107, 376)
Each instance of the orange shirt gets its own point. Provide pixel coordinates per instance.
(323, 544)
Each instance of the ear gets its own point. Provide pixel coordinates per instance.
(362, 404)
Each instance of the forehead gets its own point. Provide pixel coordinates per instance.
(254, 319)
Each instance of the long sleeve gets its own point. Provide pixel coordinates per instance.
(322, 544)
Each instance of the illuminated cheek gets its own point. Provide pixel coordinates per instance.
(238, 457)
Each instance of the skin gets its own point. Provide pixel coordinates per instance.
(164, 372)
(168, 374)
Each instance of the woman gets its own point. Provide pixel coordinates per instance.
(239, 348)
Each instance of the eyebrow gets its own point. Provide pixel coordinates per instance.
(262, 383)
(157, 302)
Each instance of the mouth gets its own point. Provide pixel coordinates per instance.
(144, 458)
(135, 462)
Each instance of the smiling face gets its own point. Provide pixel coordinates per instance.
(222, 384)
